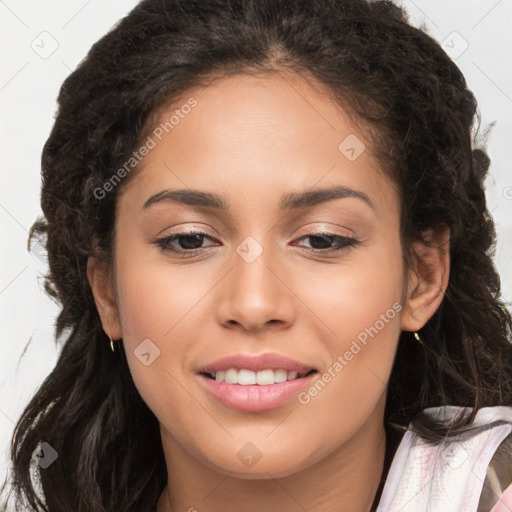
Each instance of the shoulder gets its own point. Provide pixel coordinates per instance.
(469, 473)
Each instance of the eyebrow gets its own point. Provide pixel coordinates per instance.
(291, 201)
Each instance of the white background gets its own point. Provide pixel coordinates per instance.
(29, 83)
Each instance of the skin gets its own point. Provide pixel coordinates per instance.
(252, 139)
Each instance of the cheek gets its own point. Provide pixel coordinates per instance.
(156, 295)
(151, 302)
(362, 293)
(360, 306)
(156, 309)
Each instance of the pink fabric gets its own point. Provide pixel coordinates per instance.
(505, 502)
(447, 477)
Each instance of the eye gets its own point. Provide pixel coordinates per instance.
(324, 240)
(189, 241)
(192, 241)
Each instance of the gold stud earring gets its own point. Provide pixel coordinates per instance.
(417, 337)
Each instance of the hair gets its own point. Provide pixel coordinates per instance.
(394, 79)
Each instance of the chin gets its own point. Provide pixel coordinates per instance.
(261, 467)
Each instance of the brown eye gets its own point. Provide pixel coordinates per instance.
(321, 242)
(183, 242)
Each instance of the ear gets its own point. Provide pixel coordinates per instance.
(100, 280)
(428, 279)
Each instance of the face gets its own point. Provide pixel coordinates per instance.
(314, 286)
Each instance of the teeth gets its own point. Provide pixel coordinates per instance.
(265, 377)
(247, 377)
(231, 376)
(281, 376)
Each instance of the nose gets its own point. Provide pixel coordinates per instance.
(256, 294)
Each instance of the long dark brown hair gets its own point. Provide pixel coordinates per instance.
(394, 78)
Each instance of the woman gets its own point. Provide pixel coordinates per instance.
(334, 339)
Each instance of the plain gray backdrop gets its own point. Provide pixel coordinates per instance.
(43, 41)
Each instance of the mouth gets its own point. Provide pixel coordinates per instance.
(246, 377)
(246, 395)
(255, 382)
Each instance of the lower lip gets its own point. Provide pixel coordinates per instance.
(256, 398)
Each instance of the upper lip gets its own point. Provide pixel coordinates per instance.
(256, 363)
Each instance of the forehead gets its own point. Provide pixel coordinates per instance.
(250, 134)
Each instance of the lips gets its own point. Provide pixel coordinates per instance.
(220, 380)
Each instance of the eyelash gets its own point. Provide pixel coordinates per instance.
(165, 243)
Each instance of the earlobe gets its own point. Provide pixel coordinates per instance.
(100, 281)
(428, 279)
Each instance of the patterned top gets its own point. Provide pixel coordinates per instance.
(469, 473)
